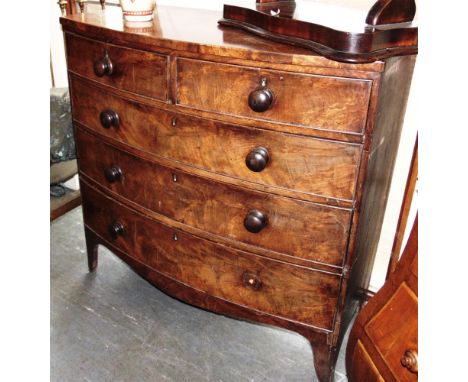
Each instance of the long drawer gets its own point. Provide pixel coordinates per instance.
(296, 228)
(321, 102)
(299, 163)
(128, 69)
(270, 286)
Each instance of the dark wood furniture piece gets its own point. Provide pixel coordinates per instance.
(383, 343)
(388, 29)
(236, 174)
(408, 197)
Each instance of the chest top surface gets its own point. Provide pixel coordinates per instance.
(196, 31)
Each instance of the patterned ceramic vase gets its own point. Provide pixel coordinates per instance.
(138, 10)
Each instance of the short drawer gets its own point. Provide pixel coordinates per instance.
(136, 71)
(296, 228)
(389, 337)
(266, 285)
(329, 103)
(319, 167)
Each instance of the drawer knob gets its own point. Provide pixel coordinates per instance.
(255, 221)
(410, 360)
(113, 174)
(116, 229)
(103, 67)
(261, 98)
(109, 118)
(251, 280)
(257, 159)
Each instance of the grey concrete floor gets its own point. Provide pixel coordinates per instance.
(111, 325)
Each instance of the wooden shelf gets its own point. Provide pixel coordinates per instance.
(62, 204)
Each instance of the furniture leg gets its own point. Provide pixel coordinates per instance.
(92, 249)
(324, 361)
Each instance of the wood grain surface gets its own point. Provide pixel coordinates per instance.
(391, 12)
(364, 366)
(388, 123)
(133, 70)
(180, 187)
(386, 329)
(197, 31)
(216, 269)
(324, 351)
(219, 208)
(315, 166)
(344, 45)
(338, 104)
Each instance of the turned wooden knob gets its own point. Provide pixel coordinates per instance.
(109, 118)
(251, 280)
(255, 221)
(410, 360)
(116, 229)
(257, 159)
(113, 174)
(261, 98)
(103, 67)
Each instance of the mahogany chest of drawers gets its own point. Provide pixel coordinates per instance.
(238, 175)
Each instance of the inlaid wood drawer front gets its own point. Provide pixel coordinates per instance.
(392, 339)
(266, 285)
(329, 103)
(296, 228)
(319, 167)
(133, 70)
(363, 366)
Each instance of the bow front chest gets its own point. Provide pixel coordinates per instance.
(238, 175)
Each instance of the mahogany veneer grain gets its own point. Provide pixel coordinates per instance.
(329, 103)
(178, 255)
(133, 70)
(218, 208)
(386, 330)
(162, 142)
(320, 167)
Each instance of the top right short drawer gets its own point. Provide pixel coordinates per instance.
(315, 101)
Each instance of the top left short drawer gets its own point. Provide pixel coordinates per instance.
(136, 71)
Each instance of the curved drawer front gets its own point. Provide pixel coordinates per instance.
(296, 228)
(389, 337)
(329, 103)
(132, 70)
(304, 164)
(266, 285)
